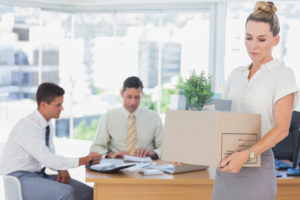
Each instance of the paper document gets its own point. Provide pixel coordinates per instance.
(173, 169)
(138, 166)
(165, 167)
(151, 172)
(137, 159)
(114, 161)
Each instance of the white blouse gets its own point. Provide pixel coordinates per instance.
(270, 83)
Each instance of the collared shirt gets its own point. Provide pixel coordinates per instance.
(112, 131)
(259, 94)
(26, 148)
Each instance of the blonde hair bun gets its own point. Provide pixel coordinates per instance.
(265, 6)
(264, 11)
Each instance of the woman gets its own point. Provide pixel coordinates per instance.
(263, 87)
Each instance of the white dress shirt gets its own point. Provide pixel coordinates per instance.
(26, 148)
(112, 131)
(270, 83)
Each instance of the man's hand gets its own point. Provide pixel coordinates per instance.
(63, 176)
(119, 154)
(143, 152)
(94, 156)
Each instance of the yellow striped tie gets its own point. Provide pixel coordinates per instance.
(131, 136)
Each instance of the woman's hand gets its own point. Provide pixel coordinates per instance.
(234, 162)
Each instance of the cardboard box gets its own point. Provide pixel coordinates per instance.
(207, 137)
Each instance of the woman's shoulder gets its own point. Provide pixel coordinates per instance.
(237, 72)
(283, 71)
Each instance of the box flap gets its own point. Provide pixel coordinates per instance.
(188, 135)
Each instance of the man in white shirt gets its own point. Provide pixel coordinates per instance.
(30, 146)
(114, 127)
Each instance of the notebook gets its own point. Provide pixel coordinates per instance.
(109, 165)
(108, 168)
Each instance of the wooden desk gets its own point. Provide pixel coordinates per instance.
(288, 188)
(187, 186)
(133, 186)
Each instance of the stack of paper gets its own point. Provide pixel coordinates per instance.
(137, 159)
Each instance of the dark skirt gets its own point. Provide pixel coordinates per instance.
(251, 183)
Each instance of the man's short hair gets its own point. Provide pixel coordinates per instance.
(133, 82)
(47, 92)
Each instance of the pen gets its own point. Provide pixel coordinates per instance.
(105, 154)
(102, 155)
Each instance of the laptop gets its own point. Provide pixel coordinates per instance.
(174, 169)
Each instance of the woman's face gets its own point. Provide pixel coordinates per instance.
(259, 41)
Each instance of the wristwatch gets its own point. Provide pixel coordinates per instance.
(251, 155)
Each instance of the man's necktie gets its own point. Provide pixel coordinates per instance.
(131, 135)
(47, 135)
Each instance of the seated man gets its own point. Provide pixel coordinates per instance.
(129, 129)
(30, 146)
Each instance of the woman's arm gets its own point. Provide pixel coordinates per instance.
(282, 116)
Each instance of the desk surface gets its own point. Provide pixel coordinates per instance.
(132, 185)
(197, 184)
(287, 179)
(204, 176)
(197, 176)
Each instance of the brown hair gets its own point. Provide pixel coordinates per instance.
(264, 11)
(132, 82)
(48, 92)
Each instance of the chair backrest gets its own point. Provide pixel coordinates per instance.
(10, 184)
(12, 188)
(286, 148)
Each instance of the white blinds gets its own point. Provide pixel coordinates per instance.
(110, 5)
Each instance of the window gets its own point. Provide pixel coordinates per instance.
(286, 51)
(90, 55)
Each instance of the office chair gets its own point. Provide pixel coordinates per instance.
(12, 188)
(285, 149)
(12, 185)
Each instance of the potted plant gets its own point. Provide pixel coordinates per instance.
(197, 90)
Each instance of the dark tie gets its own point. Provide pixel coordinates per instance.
(47, 135)
(43, 173)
